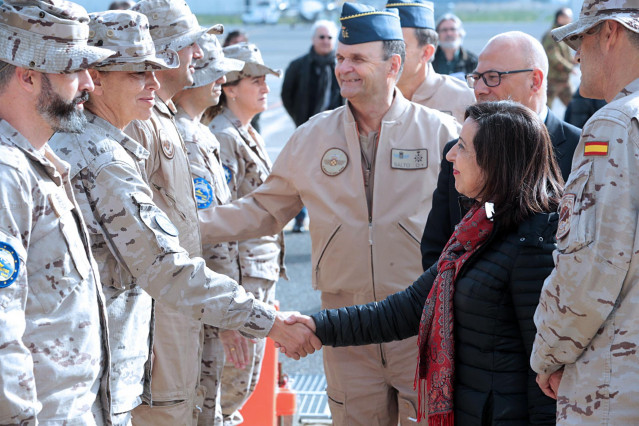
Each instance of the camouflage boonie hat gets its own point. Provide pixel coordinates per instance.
(127, 33)
(213, 64)
(48, 36)
(253, 62)
(172, 24)
(626, 12)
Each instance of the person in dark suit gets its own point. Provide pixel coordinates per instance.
(514, 66)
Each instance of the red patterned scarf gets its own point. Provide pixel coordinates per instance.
(436, 362)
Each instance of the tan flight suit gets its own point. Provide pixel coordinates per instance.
(247, 166)
(357, 257)
(444, 93)
(53, 337)
(211, 190)
(587, 319)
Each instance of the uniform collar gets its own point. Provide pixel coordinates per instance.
(166, 109)
(54, 167)
(630, 89)
(429, 86)
(397, 108)
(137, 150)
(243, 130)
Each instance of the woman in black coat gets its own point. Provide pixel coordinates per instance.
(473, 310)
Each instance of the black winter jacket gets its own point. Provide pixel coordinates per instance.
(496, 294)
(300, 95)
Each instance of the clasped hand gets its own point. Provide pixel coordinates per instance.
(294, 334)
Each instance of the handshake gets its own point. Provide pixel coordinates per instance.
(294, 334)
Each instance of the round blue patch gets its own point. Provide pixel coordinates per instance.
(203, 193)
(9, 265)
(228, 174)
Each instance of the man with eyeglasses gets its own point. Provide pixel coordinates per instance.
(587, 323)
(512, 65)
(419, 82)
(450, 57)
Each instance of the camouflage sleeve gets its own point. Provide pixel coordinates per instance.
(18, 397)
(143, 238)
(264, 211)
(595, 239)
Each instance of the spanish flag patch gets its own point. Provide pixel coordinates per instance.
(596, 148)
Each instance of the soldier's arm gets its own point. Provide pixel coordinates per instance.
(264, 211)
(18, 395)
(145, 242)
(595, 245)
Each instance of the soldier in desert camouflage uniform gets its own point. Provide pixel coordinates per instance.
(587, 323)
(247, 165)
(203, 150)
(53, 337)
(137, 251)
(133, 240)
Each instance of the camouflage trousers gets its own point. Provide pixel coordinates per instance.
(228, 388)
(560, 89)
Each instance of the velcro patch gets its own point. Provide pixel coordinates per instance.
(565, 213)
(596, 148)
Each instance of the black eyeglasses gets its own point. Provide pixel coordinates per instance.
(491, 78)
(322, 37)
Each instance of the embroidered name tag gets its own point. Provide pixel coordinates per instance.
(409, 159)
(598, 148)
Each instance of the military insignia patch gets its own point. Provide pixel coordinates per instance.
(228, 174)
(167, 147)
(9, 265)
(409, 159)
(565, 213)
(596, 148)
(334, 162)
(166, 225)
(203, 193)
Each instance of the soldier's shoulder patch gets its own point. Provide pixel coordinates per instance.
(9, 265)
(596, 148)
(228, 173)
(203, 193)
(165, 224)
(565, 213)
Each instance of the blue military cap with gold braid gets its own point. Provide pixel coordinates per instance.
(362, 23)
(414, 13)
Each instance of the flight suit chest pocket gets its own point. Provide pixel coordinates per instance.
(61, 253)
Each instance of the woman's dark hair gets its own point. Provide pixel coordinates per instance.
(564, 11)
(213, 111)
(516, 157)
(230, 37)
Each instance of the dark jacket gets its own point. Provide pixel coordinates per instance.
(464, 62)
(300, 95)
(496, 294)
(446, 211)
